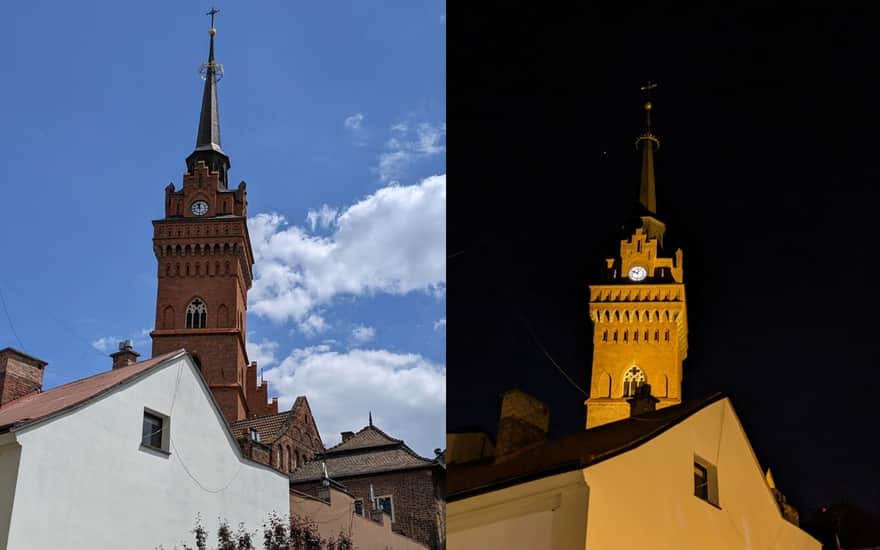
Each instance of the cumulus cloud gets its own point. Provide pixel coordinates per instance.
(440, 325)
(362, 334)
(324, 217)
(407, 144)
(354, 121)
(393, 241)
(262, 352)
(405, 392)
(109, 344)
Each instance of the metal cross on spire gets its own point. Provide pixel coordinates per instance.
(212, 12)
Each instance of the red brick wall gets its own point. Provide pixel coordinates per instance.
(418, 513)
(19, 375)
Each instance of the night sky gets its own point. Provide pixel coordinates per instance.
(766, 177)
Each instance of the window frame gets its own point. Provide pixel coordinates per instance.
(358, 503)
(164, 438)
(711, 477)
(390, 501)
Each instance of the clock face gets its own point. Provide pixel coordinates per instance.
(200, 208)
(637, 273)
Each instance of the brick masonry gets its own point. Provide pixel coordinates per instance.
(20, 374)
(417, 496)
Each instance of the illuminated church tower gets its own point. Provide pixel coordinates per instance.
(205, 266)
(638, 313)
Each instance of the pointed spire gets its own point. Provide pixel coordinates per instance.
(649, 143)
(371, 418)
(208, 138)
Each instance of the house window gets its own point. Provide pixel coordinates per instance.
(359, 507)
(197, 314)
(386, 505)
(705, 481)
(155, 432)
(255, 435)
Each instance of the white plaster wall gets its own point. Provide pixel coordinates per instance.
(84, 481)
(545, 514)
(644, 497)
(9, 455)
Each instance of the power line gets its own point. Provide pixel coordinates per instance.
(8, 318)
(547, 353)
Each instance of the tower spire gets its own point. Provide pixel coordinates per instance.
(208, 147)
(648, 143)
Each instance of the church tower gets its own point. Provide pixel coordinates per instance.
(638, 312)
(205, 266)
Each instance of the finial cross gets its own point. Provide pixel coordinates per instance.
(212, 12)
(647, 87)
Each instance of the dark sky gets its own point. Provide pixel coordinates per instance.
(767, 177)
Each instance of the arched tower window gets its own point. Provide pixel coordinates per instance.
(633, 378)
(197, 314)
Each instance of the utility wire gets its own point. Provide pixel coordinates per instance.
(9, 318)
(546, 353)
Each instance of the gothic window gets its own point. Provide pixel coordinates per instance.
(666, 335)
(633, 378)
(197, 314)
(605, 336)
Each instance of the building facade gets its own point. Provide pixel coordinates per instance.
(131, 454)
(382, 472)
(638, 312)
(682, 477)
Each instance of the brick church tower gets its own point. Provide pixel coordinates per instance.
(205, 267)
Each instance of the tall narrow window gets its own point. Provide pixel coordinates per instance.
(701, 482)
(197, 314)
(633, 378)
(706, 481)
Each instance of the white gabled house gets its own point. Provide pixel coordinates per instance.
(126, 459)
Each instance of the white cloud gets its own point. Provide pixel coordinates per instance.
(393, 241)
(354, 121)
(405, 392)
(440, 325)
(262, 352)
(408, 144)
(362, 334)
(106, 343)
(109, 344)
(312, 325)
(323, 217)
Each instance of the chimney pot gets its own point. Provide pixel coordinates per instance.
(346, 436)
(125, 356)
(524, 421)
(642, 402)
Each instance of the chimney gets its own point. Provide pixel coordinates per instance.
(125, 356)
(524, 420)
(20, 375)
(642, 402)
(346, 436)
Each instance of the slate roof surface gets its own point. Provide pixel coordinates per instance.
(39, 405)
(370, 451)
(269, 426)
(576, 451)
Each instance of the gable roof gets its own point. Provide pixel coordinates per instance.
(573, 452)
(269, 427)
(38, 406)
(368, 437)
(272, 426)
(370, 451)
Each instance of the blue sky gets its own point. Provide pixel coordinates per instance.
(335, 115)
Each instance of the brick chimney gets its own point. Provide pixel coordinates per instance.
(524, 420)
(642, 402)
(346, 436)
(20, 374)
(125, 356)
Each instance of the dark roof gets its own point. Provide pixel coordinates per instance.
(369, 451)
(269, 426)
(573, 452)
(39, 405)
(368, 437)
